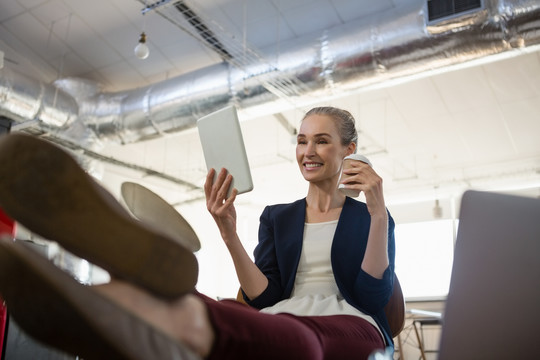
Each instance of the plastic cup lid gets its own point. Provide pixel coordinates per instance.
(359, 158)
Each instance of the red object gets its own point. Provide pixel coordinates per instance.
(7, 226)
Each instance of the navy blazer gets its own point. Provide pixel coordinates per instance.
(278, 252)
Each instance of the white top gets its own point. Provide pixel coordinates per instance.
(315, 291)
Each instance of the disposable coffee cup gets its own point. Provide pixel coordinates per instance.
(347, 163)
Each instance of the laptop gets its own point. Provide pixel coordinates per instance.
(223, 147)
(493, 305)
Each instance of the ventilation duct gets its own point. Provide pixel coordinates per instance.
(25, 99)
(394, 45)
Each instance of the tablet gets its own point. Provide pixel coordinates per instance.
(223, 147)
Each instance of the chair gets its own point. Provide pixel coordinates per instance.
(394, 309)
(427, 318)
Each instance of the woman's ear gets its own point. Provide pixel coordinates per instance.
(351, 149)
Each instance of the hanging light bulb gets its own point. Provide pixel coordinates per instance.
(141, 50)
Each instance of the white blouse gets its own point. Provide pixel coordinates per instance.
(315, 291)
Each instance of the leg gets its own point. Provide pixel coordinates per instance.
(57, 310)
(43, 188)
(122, 321)
(345, 336)
(243, 332)
(185, 319)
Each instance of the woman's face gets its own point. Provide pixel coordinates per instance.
(319, 151)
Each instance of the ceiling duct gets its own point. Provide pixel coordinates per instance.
(396, 44)
(25, 99)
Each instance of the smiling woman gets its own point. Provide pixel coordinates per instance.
(295, 269)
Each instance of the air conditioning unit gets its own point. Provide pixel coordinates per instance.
(443, 10)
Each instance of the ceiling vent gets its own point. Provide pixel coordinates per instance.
(445, 9)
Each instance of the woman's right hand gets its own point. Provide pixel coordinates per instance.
(251, 279)
(220, 207)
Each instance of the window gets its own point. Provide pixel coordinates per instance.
(424, 256)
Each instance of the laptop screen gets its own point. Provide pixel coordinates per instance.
(493, 305)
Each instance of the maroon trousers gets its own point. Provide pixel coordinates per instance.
(242, 332)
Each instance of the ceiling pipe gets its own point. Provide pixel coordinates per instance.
(394, 45)
(24, 99)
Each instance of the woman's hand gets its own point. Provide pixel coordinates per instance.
(361, 176)
(251, 279)
(217, 203)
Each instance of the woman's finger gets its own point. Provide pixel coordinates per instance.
(222, 185)
(219, 202)
(220, 179)
(355, 166)
(230, 199)
(209, 182)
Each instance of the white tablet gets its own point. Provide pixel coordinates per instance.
(223, 147)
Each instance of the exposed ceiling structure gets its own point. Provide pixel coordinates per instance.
(440, 106)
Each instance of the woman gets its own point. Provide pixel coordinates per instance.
(315, 303)
(362, 258)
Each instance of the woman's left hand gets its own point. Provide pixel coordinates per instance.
(361, 176)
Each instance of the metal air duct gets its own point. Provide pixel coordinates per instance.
(393, 45)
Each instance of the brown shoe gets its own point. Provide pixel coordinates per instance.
(151, 209)
(43, 188)
(55, 309)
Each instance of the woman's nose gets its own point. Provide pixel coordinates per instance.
(310, 149)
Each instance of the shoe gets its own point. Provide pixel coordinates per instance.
(151, 209)
(43, 188)
(55, 309)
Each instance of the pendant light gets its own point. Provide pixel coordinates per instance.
(141, 50)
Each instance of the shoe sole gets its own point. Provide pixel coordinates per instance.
(44, 189)
(55, 309)
(151, 209)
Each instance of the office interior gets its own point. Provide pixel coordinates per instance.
(446, 97)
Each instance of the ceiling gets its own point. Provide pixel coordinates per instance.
(52, 39)
(430, 135)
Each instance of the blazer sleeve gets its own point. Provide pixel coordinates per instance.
(373, 293)
(379, 291)
(360, 289)
(266, 261)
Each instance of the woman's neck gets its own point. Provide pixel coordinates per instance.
(322, 206)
